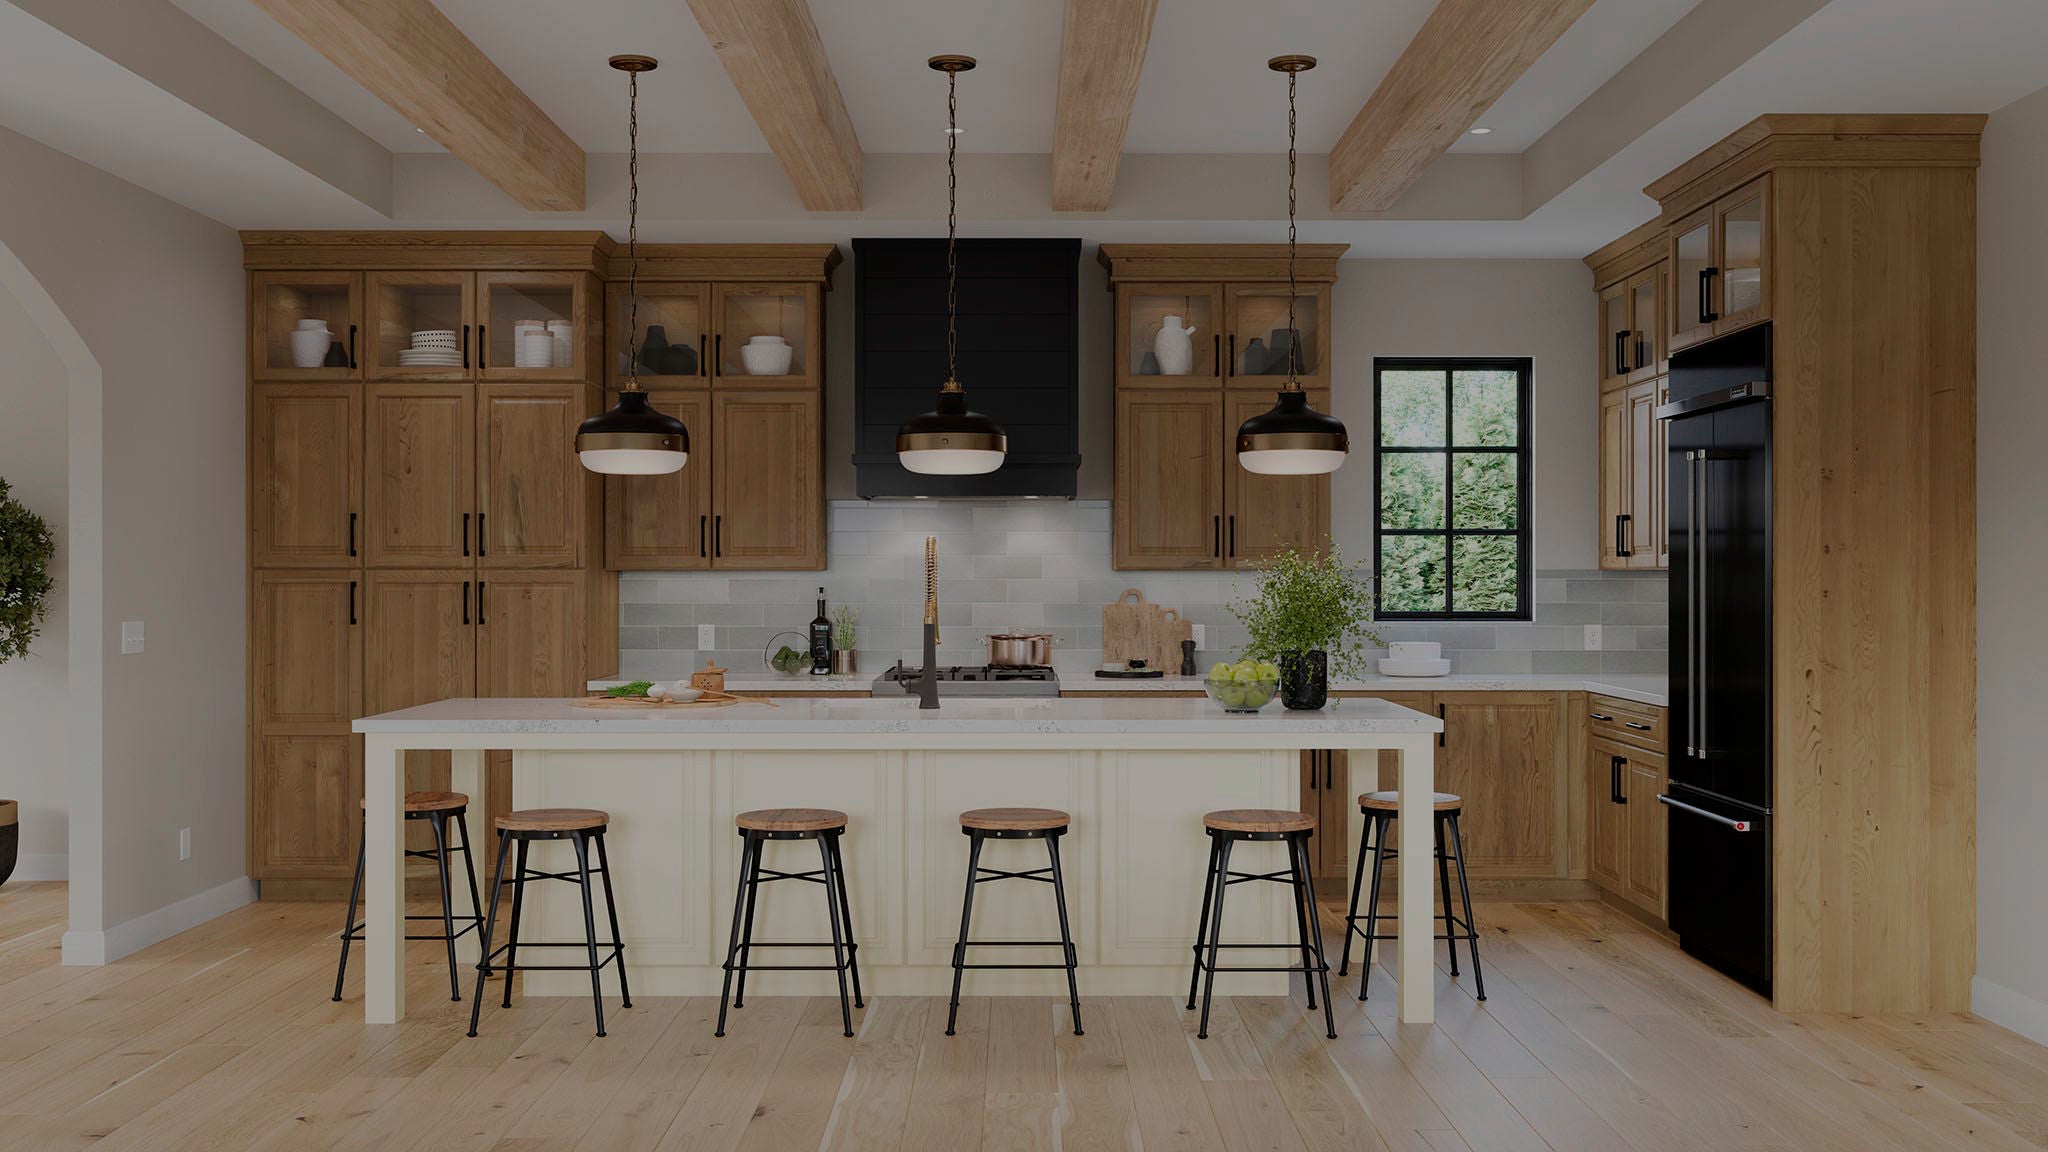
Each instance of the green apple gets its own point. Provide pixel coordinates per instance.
(1269, 670)
(1220, 671)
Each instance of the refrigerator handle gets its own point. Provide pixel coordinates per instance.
(1716, 817)
(1692, 593)
(1705, 624)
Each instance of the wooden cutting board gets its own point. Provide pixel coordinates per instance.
(1170, 631)
(1134, 628)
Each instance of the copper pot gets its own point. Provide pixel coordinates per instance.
(1020, 650)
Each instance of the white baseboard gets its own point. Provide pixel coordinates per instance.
(2009, 1009)
(134, 935)
(43, 866)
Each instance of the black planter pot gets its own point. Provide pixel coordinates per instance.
(1304, 680)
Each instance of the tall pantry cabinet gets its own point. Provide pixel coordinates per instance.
(419, 526)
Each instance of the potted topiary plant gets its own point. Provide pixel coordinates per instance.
(26, 546)
(846, 641)
(1309, 616)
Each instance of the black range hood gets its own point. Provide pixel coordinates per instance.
(1019, 359)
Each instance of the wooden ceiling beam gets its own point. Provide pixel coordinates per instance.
(771, 50)
(1467, 53)
(1102, 51)
(416, 60)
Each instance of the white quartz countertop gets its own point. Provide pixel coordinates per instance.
(1163, 723)
(1641, 689)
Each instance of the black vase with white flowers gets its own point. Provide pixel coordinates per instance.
(1308, 615)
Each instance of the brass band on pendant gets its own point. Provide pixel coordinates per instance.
(627, 441)
(1294, 442)
(952, 442)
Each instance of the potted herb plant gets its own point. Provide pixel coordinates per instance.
(846, 640)
(1308, 615)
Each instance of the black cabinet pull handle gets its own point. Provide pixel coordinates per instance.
(1614, 792)
(1329, 770)
(465, 345)
(483, 538)
(465, 533)
(1603, 718)
(465, 601)
(1230, 368)
(1621, 523)
(1216, 352)
(1314, 780)
(351, 533)
(702, 534)
(1636, 726)
(703, 361)
(351, 346)
(1441, 718)
(718, 535)
(1216, 528)
(483, 348)
(1620, 353)
(717, 354)
(480, 586)
(1707, 313)
(1233, 533)
(351, 602)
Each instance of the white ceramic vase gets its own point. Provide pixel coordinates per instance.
(309, 346)
(767, 356)
(1174, 347)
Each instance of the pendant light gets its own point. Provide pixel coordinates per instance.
(1292, 439)
(633, 439)
(950, 440)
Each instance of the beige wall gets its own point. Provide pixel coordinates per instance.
(33, 382)
(155, 291)
(2012, 548)
(1542, 309)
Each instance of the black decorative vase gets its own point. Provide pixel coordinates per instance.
(1304, 680)
(10, 837)
(652, 347)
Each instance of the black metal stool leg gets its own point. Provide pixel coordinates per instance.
(739, 994)
(732, 939)
(1299, 847)
(846, 916)
(1465, 893)
(581, 841)
(611, 907)
(1215, 935)
(831, 886)
(1303, 901)
(1443, 883)
(1059, 893)
(1372, 911)
(518, 904)
(966, 917)
(1202, 922)
(348, 927)
(476, 901)
(483, 964)
(1357, 881)
(440, 824)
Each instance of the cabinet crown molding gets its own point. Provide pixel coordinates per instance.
(1627, 254)
(1816, 141)
(1314, 263)
(810, 263)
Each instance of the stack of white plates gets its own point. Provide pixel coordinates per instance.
(432, 348)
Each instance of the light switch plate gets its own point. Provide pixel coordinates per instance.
(1201, 636)
(131, 637)
(1592, 637)
(707, 637)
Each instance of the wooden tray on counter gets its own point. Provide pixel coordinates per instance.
(709, 699)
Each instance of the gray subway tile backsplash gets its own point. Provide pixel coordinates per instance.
(1045, 565)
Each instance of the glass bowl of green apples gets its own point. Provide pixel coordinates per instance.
(1245, 686)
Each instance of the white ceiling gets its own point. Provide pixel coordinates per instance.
(1205, 87)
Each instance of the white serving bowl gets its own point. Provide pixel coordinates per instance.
(767, 359)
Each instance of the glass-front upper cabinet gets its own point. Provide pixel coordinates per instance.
(1692, 267)
(1169, 335)
(1643, 350)
(533, 325)
(1258, 343)
(1742, 237)
(306, 325)
(762, 335)
(1615, 335)
(421, 325)
(673, 347)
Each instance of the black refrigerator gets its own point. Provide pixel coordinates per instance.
(1718, 456)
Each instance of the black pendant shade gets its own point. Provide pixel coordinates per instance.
(950, 440)
(633, 439)
(1292, 439)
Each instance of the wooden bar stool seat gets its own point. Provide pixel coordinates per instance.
(585, 829)
(1259, 820)
(790, 820)
(1014, 819)
(439, 810)
(1391, 802)
(553, 820)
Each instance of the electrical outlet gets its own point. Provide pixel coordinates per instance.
(707, 637)
(131, 637)
(1592, 637)
(184, 843)
(1201, 637)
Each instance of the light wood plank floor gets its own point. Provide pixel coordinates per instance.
(1597, 1036)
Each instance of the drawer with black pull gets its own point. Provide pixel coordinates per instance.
(1615, 719)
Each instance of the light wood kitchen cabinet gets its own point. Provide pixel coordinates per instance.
(305, 474)
(307, 650)
(420, 647)
(1141, 312)
(1632, 479)
(674, 326)
(1256, 335)
(1264, 515)
(1607, 777)
(1614, 476)
(743, 312)
(1326, 794)
(419, 464)
(767, 510)
(529, 633)
(1646, 825)
(664, 522)
(506, 300)
(1720, 267)
(1168, 511)
(1644, 353)
(1625, 773)
(1504, 753)
(304, 798)
(279, 300)
(531, 489)
(401, 303)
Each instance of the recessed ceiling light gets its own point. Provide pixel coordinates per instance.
(421, 131)
(1481, 131)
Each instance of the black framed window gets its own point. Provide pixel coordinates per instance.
(1451, 466)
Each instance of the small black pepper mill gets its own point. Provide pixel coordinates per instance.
(1187, 657)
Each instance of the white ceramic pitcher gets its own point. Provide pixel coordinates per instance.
(1173, 347)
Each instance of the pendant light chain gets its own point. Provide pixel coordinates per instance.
(632, 228)
(952, 226)
(1293, 336)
